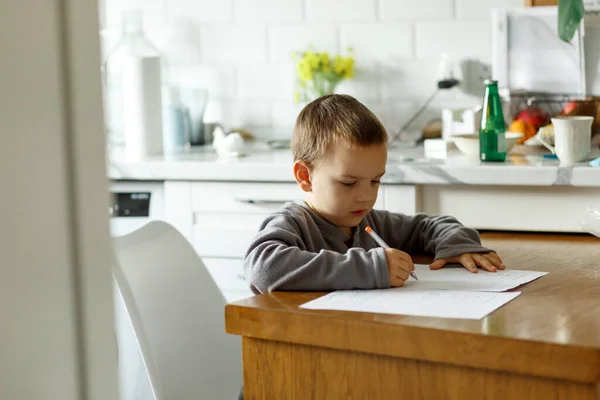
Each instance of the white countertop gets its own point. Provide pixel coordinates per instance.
(405, 166)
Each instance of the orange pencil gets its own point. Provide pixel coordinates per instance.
(383, 244)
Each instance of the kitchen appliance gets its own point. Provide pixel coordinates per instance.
(458, 121)
(527, 54)
(134, 204)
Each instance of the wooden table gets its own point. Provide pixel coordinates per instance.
(545, 344)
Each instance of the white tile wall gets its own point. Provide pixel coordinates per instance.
(234, 44)
(341, 10)
(266, 81)
(286, 39)
(480, 9)
(201, 11)
(244, 49)
(269, 10)
(459, 39)
(378, 42)
(218, 80)
(415, 10)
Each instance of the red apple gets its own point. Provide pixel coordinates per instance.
(534, 116)
(569, 108)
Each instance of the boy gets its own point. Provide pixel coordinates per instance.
(340, 154)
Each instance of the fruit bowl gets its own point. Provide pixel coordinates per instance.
(469, 143)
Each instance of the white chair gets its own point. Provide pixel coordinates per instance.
(171, 321)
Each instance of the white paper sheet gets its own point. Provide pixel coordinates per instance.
(406, 301)
(459, 278)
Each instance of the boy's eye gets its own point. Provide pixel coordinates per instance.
(348, 184)
(376, 182)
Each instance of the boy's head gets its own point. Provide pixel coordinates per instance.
(340, 152)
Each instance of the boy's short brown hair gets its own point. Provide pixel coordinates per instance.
(331, 119)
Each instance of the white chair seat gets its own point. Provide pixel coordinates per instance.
(177, 316)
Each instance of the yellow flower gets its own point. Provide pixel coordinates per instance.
(318, 73)
(349, 68)
(338, 65)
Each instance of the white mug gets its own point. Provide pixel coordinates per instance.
(572, 137)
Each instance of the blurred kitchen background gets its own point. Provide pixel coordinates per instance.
(240, 52)
(230, 61)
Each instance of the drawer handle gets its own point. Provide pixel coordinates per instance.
(261, 201)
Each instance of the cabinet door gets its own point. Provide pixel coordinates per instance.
(226, 215)
(243, 197)
(224, 234)
(228, 274)
(400, 199)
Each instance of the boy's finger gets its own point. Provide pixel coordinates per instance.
(405, 266)
(497, 257)
(484, 263)
(404, 256)
(406, 262)
(402, 274)
(437, 264)
(397, 282)
(467, 261)
(495, 262)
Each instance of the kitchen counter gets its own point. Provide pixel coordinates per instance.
(405, 166)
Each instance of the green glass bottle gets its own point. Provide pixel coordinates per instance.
(492, 130)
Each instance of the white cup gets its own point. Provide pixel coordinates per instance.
(572, 137)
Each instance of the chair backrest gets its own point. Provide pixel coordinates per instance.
(178, 315)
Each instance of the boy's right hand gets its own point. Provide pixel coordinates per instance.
(399, 266)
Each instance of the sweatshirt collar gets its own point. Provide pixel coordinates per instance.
(330, 230)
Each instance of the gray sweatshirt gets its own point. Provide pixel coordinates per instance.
(295, 249)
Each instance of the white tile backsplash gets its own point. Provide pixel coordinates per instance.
(341, 10)
(269, 10)
(458, 40)
(284, 114)
(480, 9)
(266, 81)
(395, 82)
(245, 113)
(201, 11)
(234, 44)
(365, 84)
(243, 50)
(378, 42)
(416, 10)
(219, 80)
(283, 40)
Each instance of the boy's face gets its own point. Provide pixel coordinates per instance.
(345, 182)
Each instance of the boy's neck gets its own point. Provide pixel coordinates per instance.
(347, 231)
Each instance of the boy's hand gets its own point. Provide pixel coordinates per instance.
(399, 266)
(489, 261)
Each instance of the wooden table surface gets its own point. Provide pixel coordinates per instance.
(552, 330)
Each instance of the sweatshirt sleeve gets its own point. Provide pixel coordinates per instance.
(278, 260)
(440, 236)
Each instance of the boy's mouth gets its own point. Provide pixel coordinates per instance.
(359, 213)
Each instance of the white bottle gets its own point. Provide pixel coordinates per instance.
(135, 66)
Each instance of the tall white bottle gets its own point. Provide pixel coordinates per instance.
(135, 67)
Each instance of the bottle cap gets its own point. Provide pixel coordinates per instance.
(488, 82)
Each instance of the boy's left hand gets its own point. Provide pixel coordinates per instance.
(488, 261)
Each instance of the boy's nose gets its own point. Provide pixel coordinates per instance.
(366, 198)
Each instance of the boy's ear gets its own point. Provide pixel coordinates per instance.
(302, 175)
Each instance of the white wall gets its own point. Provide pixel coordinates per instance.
(243, 49)
(56, 334)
